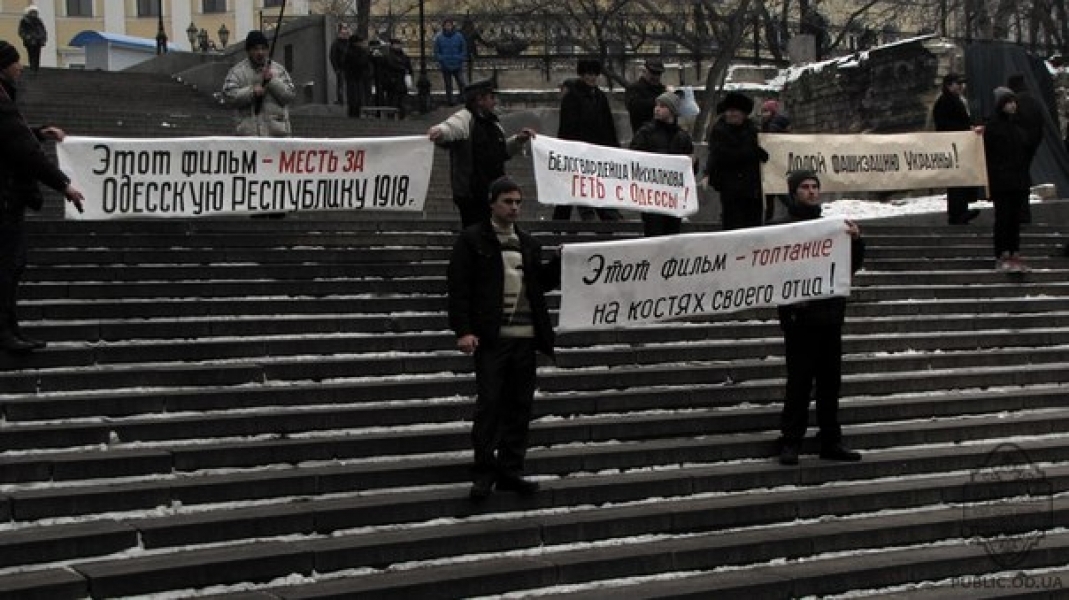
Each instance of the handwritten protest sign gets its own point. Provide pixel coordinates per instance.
(635, 282)
(211, 176)
(871, 162)
(568, 172)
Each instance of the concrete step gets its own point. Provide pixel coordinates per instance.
(786, 523)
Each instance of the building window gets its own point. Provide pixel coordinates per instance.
(213, 6)
(148, 8)
(79, 8)
(272, 3)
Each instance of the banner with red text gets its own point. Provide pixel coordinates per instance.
(213, 176)
(876, 162)
(636, 282)
(568, 172)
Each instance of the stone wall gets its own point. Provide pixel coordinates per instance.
(885, 90)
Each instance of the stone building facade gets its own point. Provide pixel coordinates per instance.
(889, 89)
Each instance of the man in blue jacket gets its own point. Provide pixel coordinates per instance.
(497, 286)
(451, 50)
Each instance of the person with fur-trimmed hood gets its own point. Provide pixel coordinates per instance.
(813, 340)
(586, 116)
(34, 36)
(733, 167)
(663, 135)
(260, 91)
(478, 149)
(1006, 151)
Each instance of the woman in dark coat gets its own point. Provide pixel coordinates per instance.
(1005, 146)
(34, 36)
(734, 164)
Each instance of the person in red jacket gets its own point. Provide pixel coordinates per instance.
(23, 163)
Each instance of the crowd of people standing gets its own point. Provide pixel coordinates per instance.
(497, 277)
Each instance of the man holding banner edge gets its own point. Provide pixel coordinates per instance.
(813, 338)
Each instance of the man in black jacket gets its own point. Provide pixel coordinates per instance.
(497, 286)
(950, 113)
(813, 337)
(641, 96)
(585, 116)
(23, 163)
(338, 49)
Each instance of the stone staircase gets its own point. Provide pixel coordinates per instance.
(259, 409)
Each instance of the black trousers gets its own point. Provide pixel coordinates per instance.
(355, 94)
(471, 210)
(339, 89)
(34, 55)
(958, 200)
(654, 224)
(563, 212)
(505, 379)
(740, 212)
(1007, 230)
(12, 265)
(814, 363)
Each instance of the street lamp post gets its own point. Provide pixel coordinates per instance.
(161, 34)
(423, 85)
(191, 35)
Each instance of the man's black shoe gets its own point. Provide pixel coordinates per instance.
(841, 453)
(481, 489)
(11, 343)
(964, 219)
(37, 344)
(788, 455)
(512, 483)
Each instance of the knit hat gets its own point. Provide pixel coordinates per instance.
(795, 179)
(737, 101)
(31, 9)
(671, 101)
(8, 55)
(502, 185)
(256, 38)
(1002, 96)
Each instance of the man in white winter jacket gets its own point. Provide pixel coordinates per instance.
(260, 92)
(478, 149)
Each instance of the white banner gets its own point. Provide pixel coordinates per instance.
(635, 282)
(870, 162)
(211, 176)
(568, 172)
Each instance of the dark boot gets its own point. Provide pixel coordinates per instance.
(12, 343)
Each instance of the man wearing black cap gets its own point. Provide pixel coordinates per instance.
(585, 116)
(497, 286)
(951, 113)
(478, 149)
(733, 166)
(813, 340)
(399, 68)
(641, 95)
(23, 163)
(663, 135)
(260, 92)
